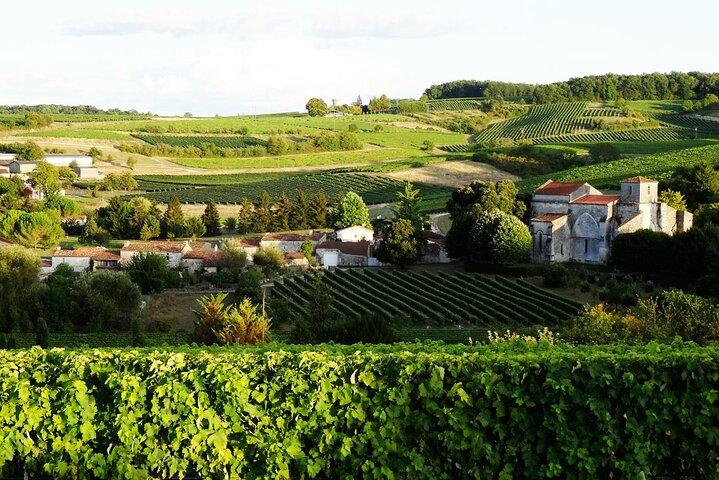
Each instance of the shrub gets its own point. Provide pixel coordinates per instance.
(662, 318)
(149, 271)
(604, 152)
(499, 237)
(271, 259)
(244, 324)
(556, 275)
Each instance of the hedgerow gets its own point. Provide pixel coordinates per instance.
(426, 411)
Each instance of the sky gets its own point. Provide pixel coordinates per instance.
(247, 57)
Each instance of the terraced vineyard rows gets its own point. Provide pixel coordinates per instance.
(374, 189)
(433, 297)
(455, 104)
(234, 141)
(540, 121)
(644, 134)
(691, 123)
(602, 112)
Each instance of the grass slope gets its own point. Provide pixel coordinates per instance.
(608, 174)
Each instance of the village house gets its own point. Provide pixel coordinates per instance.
(202, 260)
(333, 253)
(355, 233)
(291, 242)
(173, 251)
(577, 222)
(86, 258)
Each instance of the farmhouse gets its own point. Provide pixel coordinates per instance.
(86, 258)
(202, 260)
(577, 222)
(173, 251)
(296, 259)
(291, 242)
(345, 254)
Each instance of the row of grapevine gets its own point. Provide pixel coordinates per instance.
(459, 148)
(407, 411)
(374, 189)
(659, 134)
(603, 112)
(434, 297)
(226, 141)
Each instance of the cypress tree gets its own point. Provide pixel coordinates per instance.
(298, 217)
(173, 221)
(211, 219)
(318, 211)
(42, 333)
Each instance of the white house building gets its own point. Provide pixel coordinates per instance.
(345, 254)
(577, 222)
(86, 258)
(355, 233)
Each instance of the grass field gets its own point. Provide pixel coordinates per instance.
(367, 156)
(608, 174)
(428, 297)
(79, 133)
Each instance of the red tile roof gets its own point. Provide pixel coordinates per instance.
(167, 246)
(596, 199)
(96, 253)
(4, 170)
(558, 188)
(210, 258)
(348, 248)
(294, 255)
(638, 179)
(549, 217)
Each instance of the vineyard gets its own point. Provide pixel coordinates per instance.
(458, 148)
(608, 174)
(455, 104)
(234, 141)
(434, 297)
(659, 134)
(374, 189)
(577, 122)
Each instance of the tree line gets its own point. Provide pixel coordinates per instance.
(48, 109)
(650, 86)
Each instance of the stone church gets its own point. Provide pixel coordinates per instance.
(576, 222)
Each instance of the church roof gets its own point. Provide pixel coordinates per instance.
(638, 179)
(596, 199)
(558, 188)
(549, 217)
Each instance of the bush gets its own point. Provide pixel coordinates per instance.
(271, 259)
(604, 152)
(407, 411)
(228, 325)
(149, 271)
(556, 275)
(499, 237)
(662, 318)
(640, 251)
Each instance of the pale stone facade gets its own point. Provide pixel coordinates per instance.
(577, 222)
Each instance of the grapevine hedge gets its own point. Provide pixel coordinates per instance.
(427, 412)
